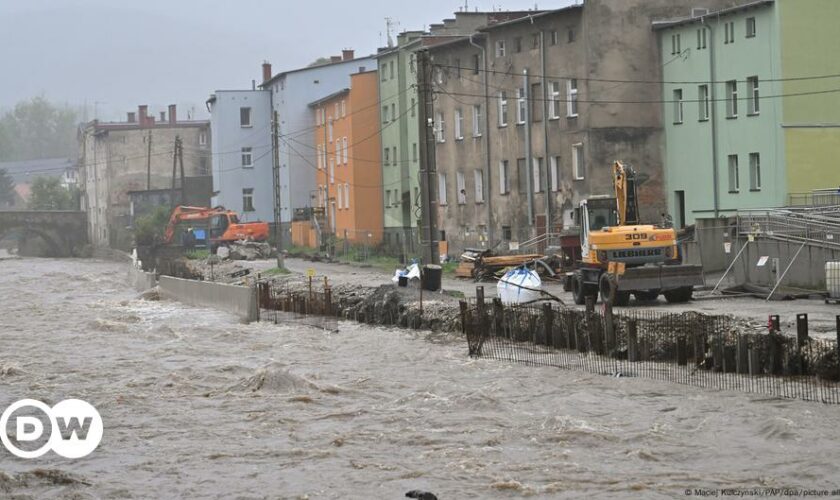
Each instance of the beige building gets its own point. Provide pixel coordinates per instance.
(115, 159)
(531, 113)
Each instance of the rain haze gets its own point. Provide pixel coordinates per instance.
(110, 56)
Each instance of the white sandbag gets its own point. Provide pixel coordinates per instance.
(518, 286)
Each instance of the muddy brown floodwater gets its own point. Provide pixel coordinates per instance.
(196, 405)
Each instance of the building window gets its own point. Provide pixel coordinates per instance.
(460, 187)
(676, 44)
(440, 128)
(476, 64)
(343, 108)
(384, 114)
(387, 198)
(755, 172)
(332, 170)
(554, 101)
(248, 200)
(414, 151)
(330, 129)
(391, 70)
(734, 184)
(538, 174)
(394, 112)
(732, 99)
(703, 102)
(750, 27)
(553, 37)
(678, 106)
(457, 65)
(520, 105)
(522, 175)
(571, 98)
(387, 158)
(701, 38)
(753, 96)
(459, 124)
(506, 233)
(476, 120)
(554, 173)
(245, 117)
(535, 41)
(517, 44)
(247, 158)
(337, 151)
(504, 177)
(500, 48)
(442, 189)
(578, 165)
(413, 107)
(394, 155)
(344, 147)
(479, 186)
(570, 35)
(729, 32)
(202, 138)
(339, 195)
(346, 195)
(503, 109)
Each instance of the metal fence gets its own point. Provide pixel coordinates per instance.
(688, 348)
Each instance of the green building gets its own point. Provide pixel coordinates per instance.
(742, 128)
(400, 138)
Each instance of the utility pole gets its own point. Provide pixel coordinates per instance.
(183, 177)
(428, 170)
(177, 148)
(149, 162)
(278, 231)
(529, 154)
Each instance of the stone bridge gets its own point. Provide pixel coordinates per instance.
(65, 232)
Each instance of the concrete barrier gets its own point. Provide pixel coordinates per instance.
(238, 300)
(140, 280)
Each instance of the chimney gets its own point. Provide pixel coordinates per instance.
(173, 117)
(132, 117)
(266, 68)
(162, 116)
(335, 59)
(142, 111)
(346, 54)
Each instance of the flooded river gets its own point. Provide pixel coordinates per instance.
(196, 405)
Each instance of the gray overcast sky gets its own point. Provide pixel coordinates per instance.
(117, 54)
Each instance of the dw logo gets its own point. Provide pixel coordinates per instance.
(74, 428)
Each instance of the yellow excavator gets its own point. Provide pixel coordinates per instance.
(620, 256)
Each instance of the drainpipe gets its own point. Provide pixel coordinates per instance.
(713, 111)
(546, 157)
(488, 198)
(529, 153)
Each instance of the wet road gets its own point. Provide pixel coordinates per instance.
(196, 405)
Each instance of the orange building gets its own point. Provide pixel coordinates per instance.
(349, 177)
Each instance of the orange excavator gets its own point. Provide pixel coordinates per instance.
(222, 226)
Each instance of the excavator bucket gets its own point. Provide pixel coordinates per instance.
(661, 277)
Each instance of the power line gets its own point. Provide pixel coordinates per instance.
(657, 82)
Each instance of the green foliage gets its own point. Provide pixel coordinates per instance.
(275, 270)
(318, 62)
(199, 254)
(38, 129)
(49, 194)
(7, 188)
(449, 267)
(149, 228)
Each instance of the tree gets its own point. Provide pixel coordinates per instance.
(7, 189)
(318, 62)
(149, 228)
(37, 129)
(49, 194)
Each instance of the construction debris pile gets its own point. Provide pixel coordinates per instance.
(248, 250)
(481, 265)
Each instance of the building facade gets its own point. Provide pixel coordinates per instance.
(291, 92)
(349, 172)
(242, 156)
(115, 158)
(757, 127)
(531, 113)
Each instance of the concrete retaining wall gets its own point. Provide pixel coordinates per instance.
(238, 300)
(807, 271)
(141, 280)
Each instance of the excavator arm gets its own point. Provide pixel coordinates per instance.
(627, 202)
